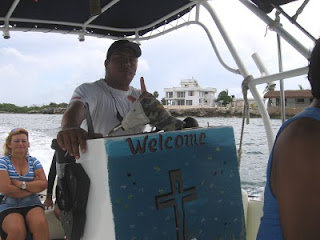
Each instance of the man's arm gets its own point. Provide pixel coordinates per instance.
(71, 135)
(295, 179)
(52, 176)
(73, 116)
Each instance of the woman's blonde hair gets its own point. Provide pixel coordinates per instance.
(13, 132)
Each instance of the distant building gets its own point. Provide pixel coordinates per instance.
(190, 94)
(293, 98)
(239, 103)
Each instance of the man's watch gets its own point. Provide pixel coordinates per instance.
(24, 185)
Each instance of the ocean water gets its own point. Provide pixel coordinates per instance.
(43, 128)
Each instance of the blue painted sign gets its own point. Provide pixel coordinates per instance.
(176, 185)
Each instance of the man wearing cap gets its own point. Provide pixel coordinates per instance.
(107, 99)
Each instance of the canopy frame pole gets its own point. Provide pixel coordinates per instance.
(248, 78)
(277, 28)
(282, 94)
(91, 19)
(294, 22)
(6, 32)
(282, 75)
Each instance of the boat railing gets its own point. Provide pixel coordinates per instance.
(249, 81)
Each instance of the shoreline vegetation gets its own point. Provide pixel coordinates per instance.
(176, 111)
(52, 108)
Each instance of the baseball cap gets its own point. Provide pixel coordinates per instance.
(122, 44)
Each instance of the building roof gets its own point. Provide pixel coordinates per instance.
(190, 82)
(190, 85)
(289, 94)
(188, 88)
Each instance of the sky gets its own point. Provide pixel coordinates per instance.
(40, 68)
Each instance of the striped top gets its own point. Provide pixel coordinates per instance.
(6, 165)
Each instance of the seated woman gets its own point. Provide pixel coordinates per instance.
(21, 178)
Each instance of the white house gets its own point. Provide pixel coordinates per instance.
(190, 94)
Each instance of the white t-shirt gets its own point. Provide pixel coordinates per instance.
(103, 103)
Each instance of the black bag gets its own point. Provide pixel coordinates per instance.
(72, 198)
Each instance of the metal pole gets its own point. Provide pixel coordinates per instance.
(263, 111)
(275, 77)
(277, 28)
(282, 96)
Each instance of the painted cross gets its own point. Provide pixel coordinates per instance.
(177, 198)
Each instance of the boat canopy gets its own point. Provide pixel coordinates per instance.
(268, 5)
(102, 18)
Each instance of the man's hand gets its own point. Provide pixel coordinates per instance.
(143, 91)
(48, 203)
(69, 140)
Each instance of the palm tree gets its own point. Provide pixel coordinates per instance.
(224, 98)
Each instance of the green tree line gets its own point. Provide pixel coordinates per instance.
(11, 108)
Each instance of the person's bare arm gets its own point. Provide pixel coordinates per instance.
(39, 183)
(295, 179)
(73, 116)
(71, 135)
(7, 188)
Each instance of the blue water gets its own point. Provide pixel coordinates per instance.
(43, 128)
